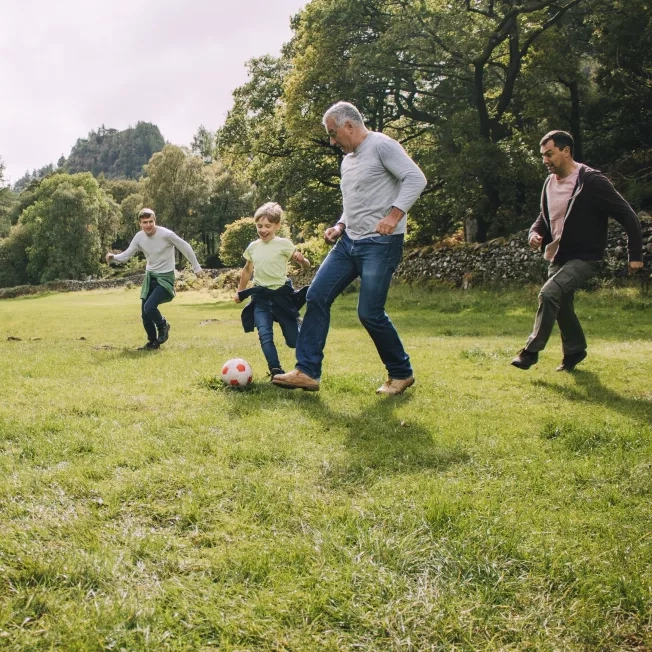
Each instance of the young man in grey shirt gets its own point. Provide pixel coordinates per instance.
(158, 244)
(380, 183)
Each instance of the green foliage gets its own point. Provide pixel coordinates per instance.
(235, 239)
(70, 222)
(237, 236)
(116, 154)
(13, 257)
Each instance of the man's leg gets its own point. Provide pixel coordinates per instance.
(336, 272)
(378, 257)
(156, 295)
(264, 321)
(555, 296)
(148, 324)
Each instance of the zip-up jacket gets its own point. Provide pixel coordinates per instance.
(584, 232)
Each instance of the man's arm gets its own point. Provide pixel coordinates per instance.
(624, 214)
(186, 250)
(126, 254)
(245, 277)
(537, 232)
(412, 183)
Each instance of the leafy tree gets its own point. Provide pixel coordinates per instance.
(13, 257)
(203, 143)
(177, 189)
(68, 223)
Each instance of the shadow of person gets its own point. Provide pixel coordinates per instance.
(375, 440)
(591, 390)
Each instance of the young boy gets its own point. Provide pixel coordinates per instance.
(157, 243)
(272, 297)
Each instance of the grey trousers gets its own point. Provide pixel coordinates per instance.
(556, 305)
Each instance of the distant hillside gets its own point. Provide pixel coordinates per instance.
(118, 154)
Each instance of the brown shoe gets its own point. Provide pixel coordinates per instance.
(296, 379)
(395, 385)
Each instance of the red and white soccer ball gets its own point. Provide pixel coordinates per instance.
(237, 372)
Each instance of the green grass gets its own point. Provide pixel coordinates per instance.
(143, 506)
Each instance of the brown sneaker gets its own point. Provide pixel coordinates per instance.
(395, 385)
(296, 379)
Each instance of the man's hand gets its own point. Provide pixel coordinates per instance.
(535, 241)
(635, 265)
(388, 224)
(333, 234)
(109, 257)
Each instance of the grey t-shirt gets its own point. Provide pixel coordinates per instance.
(159, 250)
(376, 176)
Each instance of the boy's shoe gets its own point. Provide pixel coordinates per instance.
(163, 332)
(150, 346)
(296, 379)
(275, 371)
(525, 359)
(571, 360)
(394, 386)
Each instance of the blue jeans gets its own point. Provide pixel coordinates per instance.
(150, 312)
(264, 322)
(373, 260)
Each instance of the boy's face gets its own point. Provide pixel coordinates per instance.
(266, 229)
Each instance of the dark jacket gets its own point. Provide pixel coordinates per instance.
(286, 303)
(584, 234)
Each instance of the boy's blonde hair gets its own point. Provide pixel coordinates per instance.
(271, 210)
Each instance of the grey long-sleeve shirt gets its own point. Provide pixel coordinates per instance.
(159, 250)
(376, 176)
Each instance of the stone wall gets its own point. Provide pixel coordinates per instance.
(463, 265)
(508, 259)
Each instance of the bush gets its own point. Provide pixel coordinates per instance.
(236, 238)
(315, 250)
(13, 257)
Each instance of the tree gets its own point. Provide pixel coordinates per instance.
(203, 144)
(68, 224)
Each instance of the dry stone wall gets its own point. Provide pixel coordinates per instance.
(508, 259)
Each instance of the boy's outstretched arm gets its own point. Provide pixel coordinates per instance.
(245, 277)
(298, 257)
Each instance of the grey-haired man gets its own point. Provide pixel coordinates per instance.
(380, 183)
(158, 244)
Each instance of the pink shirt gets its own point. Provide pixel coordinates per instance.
(558, 194)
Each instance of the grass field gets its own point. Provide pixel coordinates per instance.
(145, 507)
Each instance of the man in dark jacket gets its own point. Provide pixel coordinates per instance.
(576, 204)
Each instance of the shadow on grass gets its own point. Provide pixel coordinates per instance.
(591, 390)
(376, 441)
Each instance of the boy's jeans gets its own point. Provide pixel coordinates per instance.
(556, 303)
(150, 312)
(373, 260)
(264, 322)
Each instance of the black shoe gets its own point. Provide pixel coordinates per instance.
(163, 332)
(571, 360)
(525, 359)
(150, 346)
(274, 371)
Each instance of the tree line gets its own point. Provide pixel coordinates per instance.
(467, 86)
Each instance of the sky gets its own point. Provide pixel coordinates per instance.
(70, 66)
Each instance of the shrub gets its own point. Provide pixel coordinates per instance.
(13, 257)
(236, 237)
(315, 250)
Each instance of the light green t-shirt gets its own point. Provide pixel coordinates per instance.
(270, 261)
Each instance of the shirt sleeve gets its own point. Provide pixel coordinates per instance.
(398, 163)
(289, 248)
(129, 251)
(247, 253)
(186, 250)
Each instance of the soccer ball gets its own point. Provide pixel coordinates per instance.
(237, 372)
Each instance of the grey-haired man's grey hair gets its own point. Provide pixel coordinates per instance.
(342, 112)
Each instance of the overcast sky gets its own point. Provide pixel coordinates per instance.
(67, 67)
